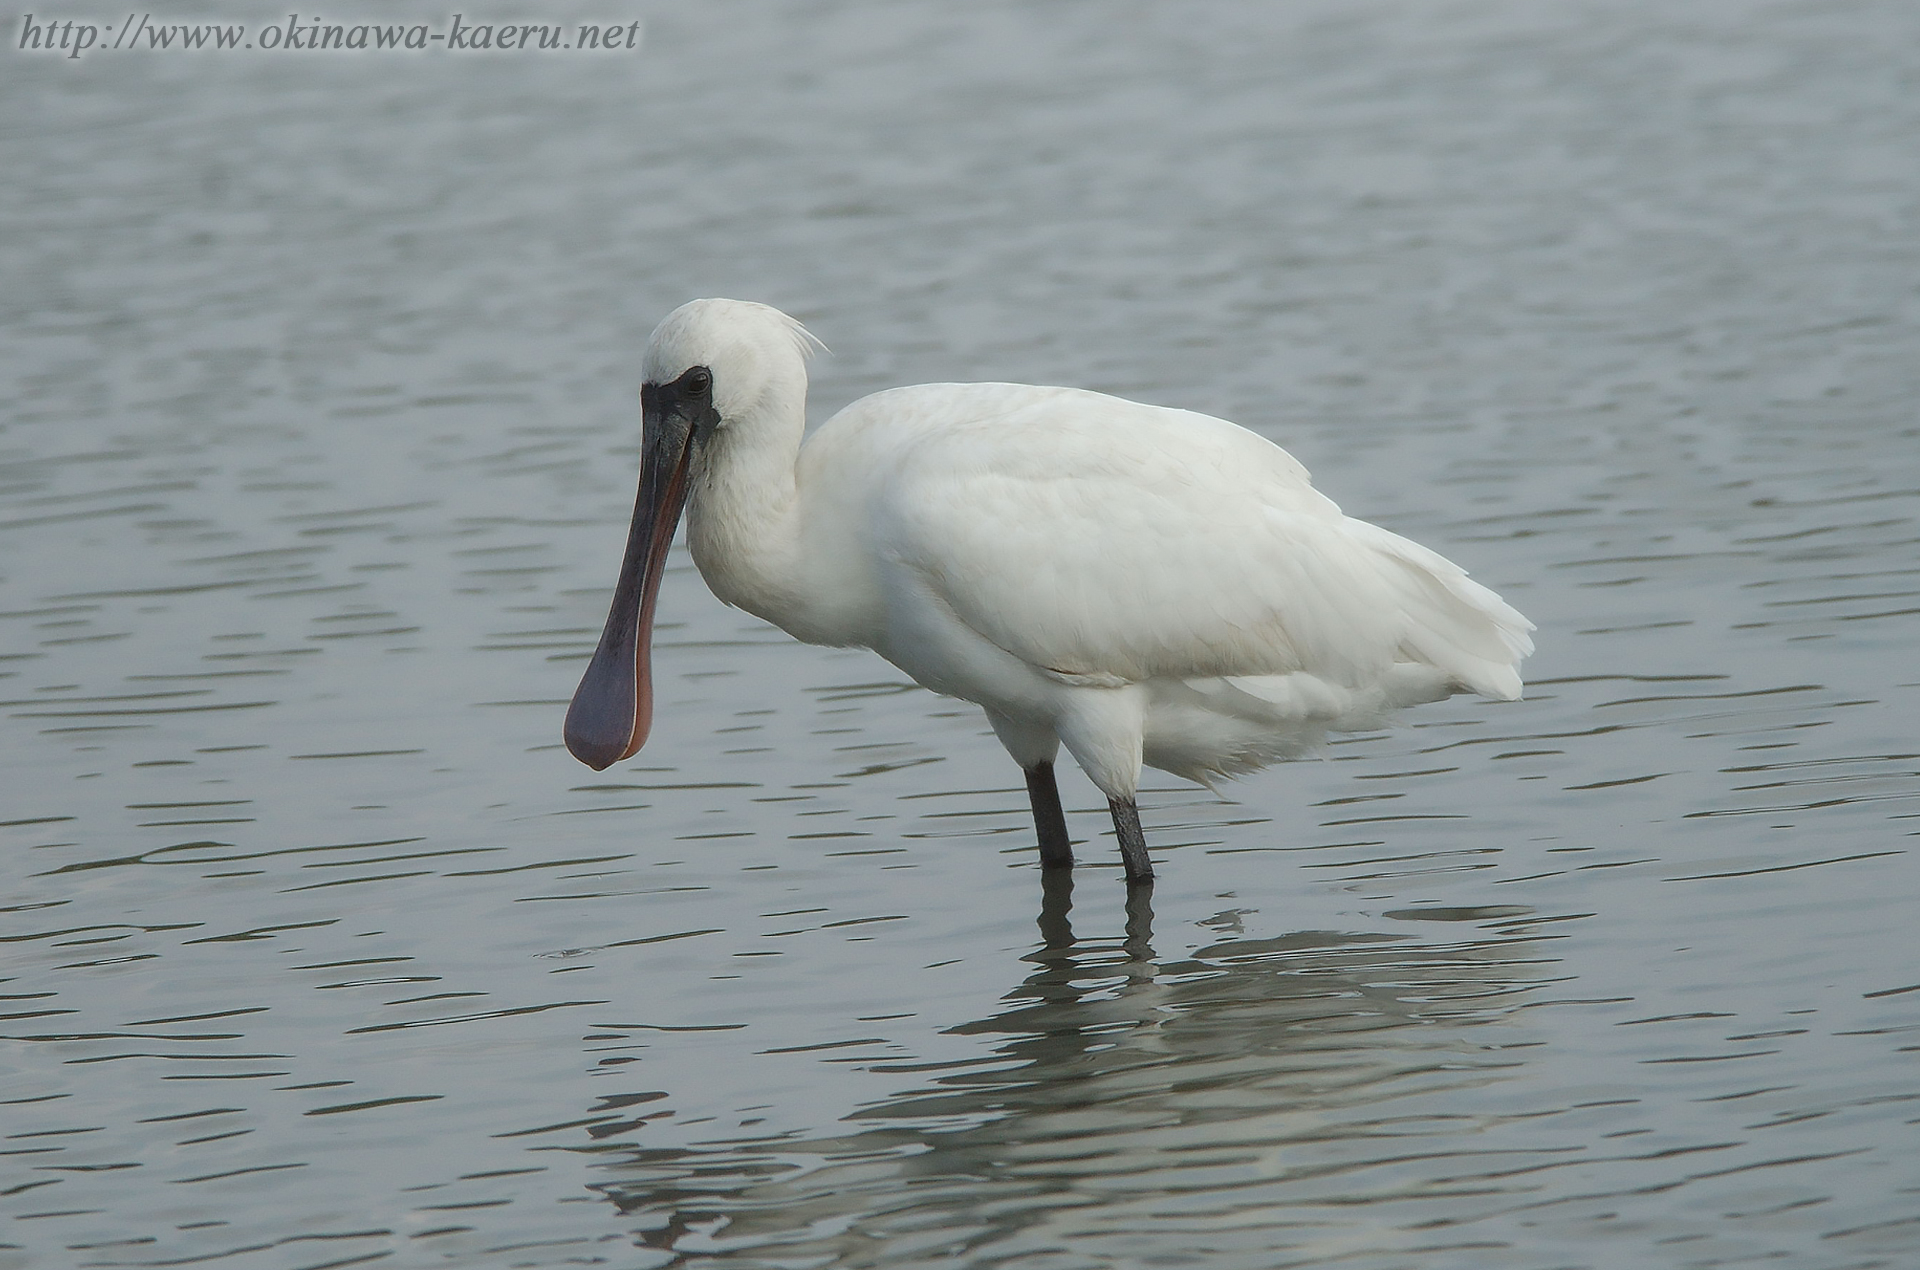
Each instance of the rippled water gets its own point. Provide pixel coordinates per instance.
(315, 453)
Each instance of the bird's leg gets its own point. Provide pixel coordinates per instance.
(1105, 731)
(1056, 852)
(1133, 843)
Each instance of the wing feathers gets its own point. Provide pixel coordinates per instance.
(1105, 541)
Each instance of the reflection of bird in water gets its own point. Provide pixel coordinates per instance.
(1207, 1092)
(1142, 585)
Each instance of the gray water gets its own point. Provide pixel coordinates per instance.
(316, 448)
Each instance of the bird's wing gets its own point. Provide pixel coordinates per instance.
(1106, 542)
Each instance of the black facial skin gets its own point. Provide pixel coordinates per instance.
(690, 397)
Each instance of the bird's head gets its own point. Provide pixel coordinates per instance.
(755, 355)
(713, 368)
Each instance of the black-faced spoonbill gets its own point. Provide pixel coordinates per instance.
(1144, 585)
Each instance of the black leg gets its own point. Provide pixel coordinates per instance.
(1056, 852)
(1133, 843)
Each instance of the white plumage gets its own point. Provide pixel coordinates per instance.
(1136, 582)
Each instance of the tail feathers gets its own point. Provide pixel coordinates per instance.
(1452, 622)
(1455, 636)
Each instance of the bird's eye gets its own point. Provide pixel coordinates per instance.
(698, 380)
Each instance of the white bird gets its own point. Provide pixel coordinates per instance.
(1140, 584)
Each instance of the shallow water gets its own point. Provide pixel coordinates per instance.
(315, 458)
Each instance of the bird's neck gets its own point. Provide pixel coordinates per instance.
(743, 512)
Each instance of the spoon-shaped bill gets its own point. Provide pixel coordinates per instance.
(612, 709)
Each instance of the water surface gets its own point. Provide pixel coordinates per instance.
(315, 453)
